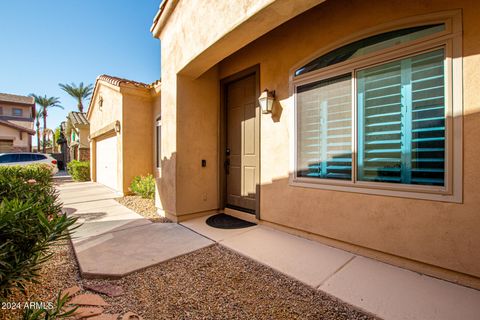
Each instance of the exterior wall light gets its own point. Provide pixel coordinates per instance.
(266, 100)
(100, 103)
(117, 126)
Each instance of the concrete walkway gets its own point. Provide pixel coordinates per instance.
(114, 241)
(378, 288)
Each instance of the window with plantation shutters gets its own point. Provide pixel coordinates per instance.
(401, 117)
(383, 114)
(325, 128)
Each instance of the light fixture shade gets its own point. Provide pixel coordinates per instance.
(266, 100)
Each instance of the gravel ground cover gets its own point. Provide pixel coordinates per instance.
(144, 207)
(211, 283)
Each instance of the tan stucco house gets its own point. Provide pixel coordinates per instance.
(17, 115)
(371, 143)
(122, 117)
(76, 131)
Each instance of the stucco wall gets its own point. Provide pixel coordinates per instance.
(108, 112)
(137, 135)
(436, 233)
(103, 116)
(197, 135)
(200, 34)
(132, 107)
(7, 110)
(194, 39)
(83, 137)
(8, 133)
(156, 114)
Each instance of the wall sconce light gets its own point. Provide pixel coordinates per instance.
(100, 103)
(117, 126)
(266, 100)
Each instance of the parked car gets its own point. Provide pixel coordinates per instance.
(26, 158)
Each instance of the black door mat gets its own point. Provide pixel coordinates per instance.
(223, 221)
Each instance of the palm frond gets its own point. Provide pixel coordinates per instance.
(80, 92)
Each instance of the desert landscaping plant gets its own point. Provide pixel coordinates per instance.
(79, 170)
(143, 186)
(30, 223)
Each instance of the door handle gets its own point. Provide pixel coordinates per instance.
(226, 164)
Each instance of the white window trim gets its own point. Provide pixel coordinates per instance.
(451, 40)
(158, 156)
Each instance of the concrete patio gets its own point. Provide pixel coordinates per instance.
(383, 290)
(113, 241)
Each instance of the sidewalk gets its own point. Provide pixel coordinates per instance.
(378, 288)
(114, 241)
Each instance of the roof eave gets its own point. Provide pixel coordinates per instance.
(17, 127)
(162, 16)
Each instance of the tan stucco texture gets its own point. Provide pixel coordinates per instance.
(131, 108)
(437, 234)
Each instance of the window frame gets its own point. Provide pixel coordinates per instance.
(451, 41)
(158, 143)
(17, 109)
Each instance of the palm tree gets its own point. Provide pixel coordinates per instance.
(38, 116)
(48, 133)
(46, 103)
(80, 93)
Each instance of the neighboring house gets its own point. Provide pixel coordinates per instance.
(121, 114)
(372, 144)
(77, 129)
(16, 122)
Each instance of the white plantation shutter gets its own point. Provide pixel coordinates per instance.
(401, 121)
(324, 128)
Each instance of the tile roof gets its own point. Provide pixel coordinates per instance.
(78, 118)
(116, 81)
(16, 126)
(6, 97)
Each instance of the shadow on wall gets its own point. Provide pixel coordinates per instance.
(166, 185)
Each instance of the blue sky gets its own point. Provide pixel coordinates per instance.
(46, 42)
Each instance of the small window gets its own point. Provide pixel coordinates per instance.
(158, 140)
(17, 112)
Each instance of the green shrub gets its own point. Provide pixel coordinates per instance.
(79, 170)
(30, 223)
(29, 183)
(143, 186)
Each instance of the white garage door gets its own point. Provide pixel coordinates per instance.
(106, 155)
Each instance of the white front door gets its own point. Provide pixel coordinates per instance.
(106, 158)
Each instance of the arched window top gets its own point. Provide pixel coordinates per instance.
(368, 45)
